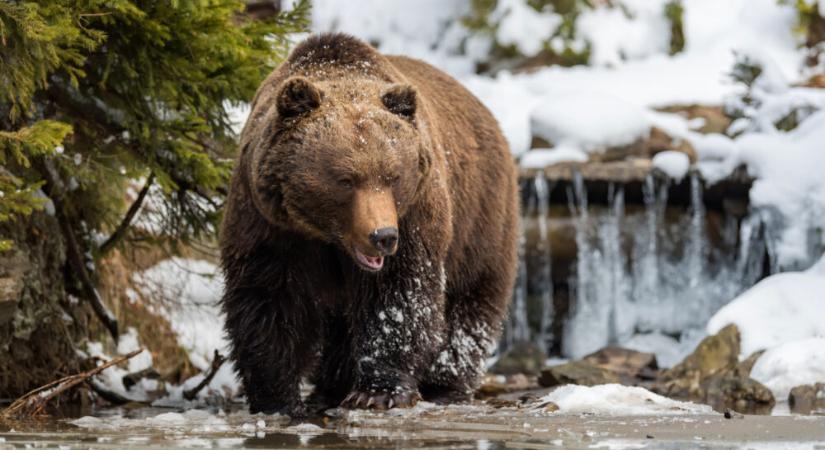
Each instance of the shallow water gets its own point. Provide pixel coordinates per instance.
(426, 426)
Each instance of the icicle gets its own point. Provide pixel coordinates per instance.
(545, 281)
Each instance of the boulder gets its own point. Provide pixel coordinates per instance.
(713, 374)
(807, 398)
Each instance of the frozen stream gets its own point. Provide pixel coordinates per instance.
(476, 426)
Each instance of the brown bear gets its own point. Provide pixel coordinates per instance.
(369, 238)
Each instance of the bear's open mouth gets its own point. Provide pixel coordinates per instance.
(371, 263)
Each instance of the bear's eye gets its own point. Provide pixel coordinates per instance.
(345, 183)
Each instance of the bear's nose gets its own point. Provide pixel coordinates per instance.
(385, 240)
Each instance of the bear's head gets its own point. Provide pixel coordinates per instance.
(342, 161)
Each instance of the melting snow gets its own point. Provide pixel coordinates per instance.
(615, 399)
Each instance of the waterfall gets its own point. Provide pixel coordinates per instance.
(651, 270)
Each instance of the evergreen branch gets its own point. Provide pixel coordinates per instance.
(124, 225)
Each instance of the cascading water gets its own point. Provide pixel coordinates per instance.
(652, 274)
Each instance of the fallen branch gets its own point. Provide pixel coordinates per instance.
(33, 403)
(217, 362)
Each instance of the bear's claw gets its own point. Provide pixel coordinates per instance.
(381, 400)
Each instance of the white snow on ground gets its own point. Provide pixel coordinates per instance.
(674, 164)
(789, 365)
(112, 378)
(780, 309)
(188, 291)
(615, 399)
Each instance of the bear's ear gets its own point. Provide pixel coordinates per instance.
(298, 96)
(400, 99)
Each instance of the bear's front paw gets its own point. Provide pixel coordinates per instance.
(381, 400)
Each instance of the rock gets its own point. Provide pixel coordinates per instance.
(715, 355)
(807, 398)
(494, 385)
(738, 393)
(714, 375)
(576, 372)
(524, 357)
(629, 365)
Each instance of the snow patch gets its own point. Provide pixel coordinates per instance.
(674, 164)
(615, 399)
(789, 365)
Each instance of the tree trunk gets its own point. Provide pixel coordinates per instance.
(39, 321)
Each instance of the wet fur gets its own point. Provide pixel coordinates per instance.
(296, 304)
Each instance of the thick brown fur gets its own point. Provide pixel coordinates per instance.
(343, 142)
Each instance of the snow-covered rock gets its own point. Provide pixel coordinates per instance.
(789, 365)
(674, 164)
(780, 309)
(591, 120)
(615, 399)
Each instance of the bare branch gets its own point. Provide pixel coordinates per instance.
(217, 362)
(121, 229)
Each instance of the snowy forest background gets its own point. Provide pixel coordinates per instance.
(673, 180)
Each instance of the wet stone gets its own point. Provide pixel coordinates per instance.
(807, 398)
(630, 365)
(576, 372)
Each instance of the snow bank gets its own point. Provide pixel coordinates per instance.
(789, 365)
(188, 291)
(780, 309)
(618, 400)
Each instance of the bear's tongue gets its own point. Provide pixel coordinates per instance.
(371, 262)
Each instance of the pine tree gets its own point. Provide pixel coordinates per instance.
(96, 94)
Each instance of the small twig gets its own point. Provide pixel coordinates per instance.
(124, 225)
(217, 362)
(33, 403)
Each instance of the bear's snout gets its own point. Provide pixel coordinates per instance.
(385, 240)
(374, 233)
